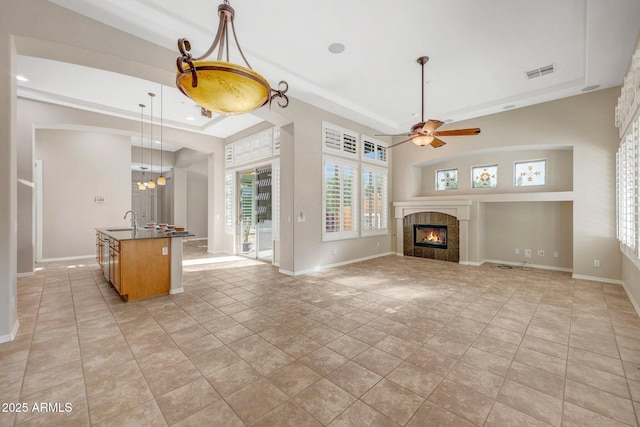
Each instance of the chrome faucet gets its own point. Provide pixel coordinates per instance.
(134, 221)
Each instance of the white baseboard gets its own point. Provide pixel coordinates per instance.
(631, 298)
(519, 264)
(12, 335)
(597, 279)
(176, 291)
(337, 264)
(68, 258)
(471, 263)
(27, 274)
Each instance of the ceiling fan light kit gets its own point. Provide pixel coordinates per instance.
(425, 132)
(221, 86)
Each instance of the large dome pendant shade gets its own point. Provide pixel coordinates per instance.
(221, 86)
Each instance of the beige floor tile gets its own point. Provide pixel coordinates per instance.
(298, 346)
(111, 376)
(601, 402)
(532, 402)
(575, 416)
(245, 347)
(172, 377)
(268, 360)
(462, 401)
(324, 400)
(233, 377)
(41, 380)
(113, 401)
(392, 400)
(505, 416)
(397, 347)
(377, 361)
(430, 414)
(147, 414)
(293, 378)
(217, 413)
(71, 392)
(255, 400)
(544, 346)
(354, 378)
(540, 360)
(362, 415)
(484, 360)
(160, 360)
(347, 346)
(415, 379)
(288, 414)
(323, 361)
(479, 380)
(537, 379)
(599, 379)
(187, 400)
(215, 360)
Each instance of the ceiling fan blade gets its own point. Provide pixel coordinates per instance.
(437, 143)
(398, 143)
(431, 126)
(458, 132)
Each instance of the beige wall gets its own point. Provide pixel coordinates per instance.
(77, 167)
(537, 226)
(197, 199)
(585, 124)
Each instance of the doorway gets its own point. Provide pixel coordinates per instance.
(255, 236)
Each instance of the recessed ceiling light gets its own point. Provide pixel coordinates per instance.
(157, 142)
(508, 107)
(336, 48)
(590, 88)
(21, 78)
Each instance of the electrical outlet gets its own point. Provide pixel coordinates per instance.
(555, 254)
(377, 244)
(540, 252)
(517, 251)
(527, 253)
(596, 263)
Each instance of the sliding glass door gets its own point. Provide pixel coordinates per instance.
(255, 214)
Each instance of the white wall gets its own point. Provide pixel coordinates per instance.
(197, 187)
(77, 167)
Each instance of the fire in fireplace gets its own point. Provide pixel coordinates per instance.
(430, 236)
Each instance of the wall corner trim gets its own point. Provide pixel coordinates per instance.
(12, 335)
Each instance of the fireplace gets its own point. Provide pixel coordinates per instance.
(430, 236)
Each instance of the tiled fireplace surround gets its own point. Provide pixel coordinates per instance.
(460, 209)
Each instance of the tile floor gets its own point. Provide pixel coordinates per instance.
(387, 342)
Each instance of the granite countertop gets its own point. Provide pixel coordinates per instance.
(125, 233)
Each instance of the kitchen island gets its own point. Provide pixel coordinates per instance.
(141, 263)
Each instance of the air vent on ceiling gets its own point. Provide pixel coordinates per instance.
(539, 72)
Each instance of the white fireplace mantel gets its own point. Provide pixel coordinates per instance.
(461, 209)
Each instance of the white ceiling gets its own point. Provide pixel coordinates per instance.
(479, 50)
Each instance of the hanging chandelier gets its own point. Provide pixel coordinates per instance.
(221, 86)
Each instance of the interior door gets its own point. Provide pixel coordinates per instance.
(263, 199)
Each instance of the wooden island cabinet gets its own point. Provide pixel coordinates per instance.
(139, 264)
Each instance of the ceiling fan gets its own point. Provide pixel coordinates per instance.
(426, 132)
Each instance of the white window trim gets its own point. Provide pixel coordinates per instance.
(365, 232)
(342, 234)
(546, 173)
(342, 135)
(378, 144)
(485, 166)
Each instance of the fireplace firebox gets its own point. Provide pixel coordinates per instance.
(430, 236)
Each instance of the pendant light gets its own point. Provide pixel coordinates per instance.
(151, 183)
(141, 185)
(161, 179)
(221, 86)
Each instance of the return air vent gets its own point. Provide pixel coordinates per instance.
(539, 72)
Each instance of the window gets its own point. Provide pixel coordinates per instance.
(339, 199)
(447, 179)
(339, 141)
(374, 200)
(627, 188)
(374, 151)
(484, 176)
(228, 202)
(530, 173)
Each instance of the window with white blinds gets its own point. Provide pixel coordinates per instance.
(374, 201)
(228, 202)
(339, 141)
(339, 199)
(627, 188)
(374, 151)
